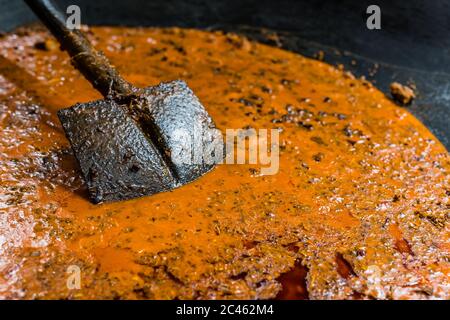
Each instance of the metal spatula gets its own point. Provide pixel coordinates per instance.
(126, 144)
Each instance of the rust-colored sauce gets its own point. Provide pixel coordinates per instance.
(359, 208)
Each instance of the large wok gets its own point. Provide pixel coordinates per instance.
(413, 44)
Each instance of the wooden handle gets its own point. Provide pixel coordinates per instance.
(91, 63)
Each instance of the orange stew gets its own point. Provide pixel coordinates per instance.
(358, 209)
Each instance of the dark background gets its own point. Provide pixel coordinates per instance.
(413, 45)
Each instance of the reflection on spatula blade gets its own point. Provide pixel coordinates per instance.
(124, 151)
(182, 129)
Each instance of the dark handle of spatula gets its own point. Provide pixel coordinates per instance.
(90, 62)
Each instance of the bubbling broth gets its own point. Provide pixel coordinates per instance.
(358, 208)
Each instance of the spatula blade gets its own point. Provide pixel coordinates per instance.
(116, 158)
